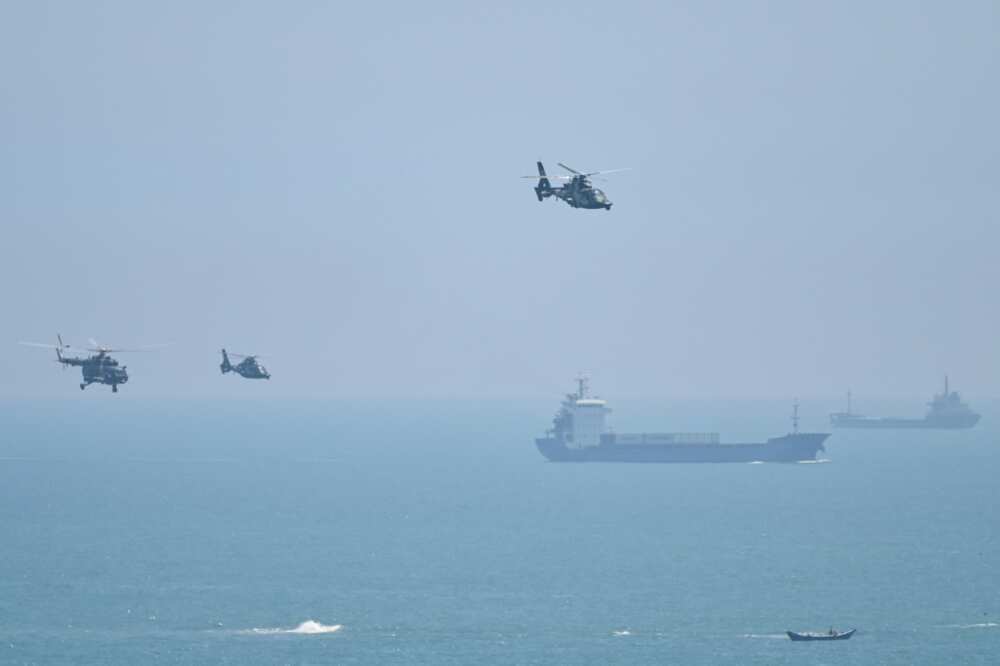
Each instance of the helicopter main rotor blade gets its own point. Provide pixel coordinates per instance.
(599, 173)
(116, 350)
(43, 345)
(570, 169)
(556, 177)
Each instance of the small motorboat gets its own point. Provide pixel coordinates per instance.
(828, 636)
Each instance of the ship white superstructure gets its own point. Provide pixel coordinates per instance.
(588, 422)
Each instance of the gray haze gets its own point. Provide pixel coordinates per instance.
(812, 206)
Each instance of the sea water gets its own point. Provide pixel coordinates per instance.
(432, 532)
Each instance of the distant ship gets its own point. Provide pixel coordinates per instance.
(578, 434)
(945, 411)
(828, 636)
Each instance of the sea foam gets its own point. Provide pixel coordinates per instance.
(308, 628)
(765, 636)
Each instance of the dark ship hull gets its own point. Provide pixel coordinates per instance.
(795, 636)
(936, 423)
(789, 448)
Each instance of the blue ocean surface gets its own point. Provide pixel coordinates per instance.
(432, 532)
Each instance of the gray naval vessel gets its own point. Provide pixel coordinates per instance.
(946, 411)
(578, 434)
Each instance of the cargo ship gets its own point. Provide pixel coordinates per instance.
(579, 434)
(946, 412)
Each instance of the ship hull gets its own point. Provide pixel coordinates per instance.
(920, 424)
(795, 636)
(790, 448)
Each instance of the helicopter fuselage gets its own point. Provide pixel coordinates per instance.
(579, 193)
(98, 369)
(251, 369)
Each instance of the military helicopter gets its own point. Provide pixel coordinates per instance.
(248, 367)
(99, 368)
(578, 192)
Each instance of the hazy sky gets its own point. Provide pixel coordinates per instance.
(813, 201)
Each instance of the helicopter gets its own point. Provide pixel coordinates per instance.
(578, 192)
(98, 368)
(248, 367)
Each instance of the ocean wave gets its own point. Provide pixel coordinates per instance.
(818, 461)
(978, 625)
(621, 632)
(307, 628)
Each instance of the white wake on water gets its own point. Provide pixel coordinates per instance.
(622, 632)
(821, 461)
(765, 636)
(307, 628)
(979, 625)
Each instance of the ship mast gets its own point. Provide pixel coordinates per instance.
(795, 417)
(581, 382)
(848, 401)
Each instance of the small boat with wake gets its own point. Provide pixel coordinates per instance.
(828, 636)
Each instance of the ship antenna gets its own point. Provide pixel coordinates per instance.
(581, 381)
(795, 417)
